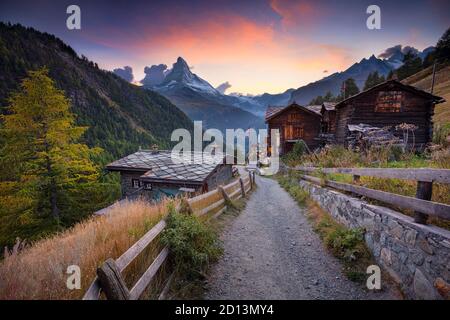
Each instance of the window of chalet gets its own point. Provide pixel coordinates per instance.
(293, 132)
(389, 101)
(294, 117)
(135, 183)
(148, 186)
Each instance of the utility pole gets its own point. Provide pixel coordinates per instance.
(432, 79)
(343, 89)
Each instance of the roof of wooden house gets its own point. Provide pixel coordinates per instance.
(163, 166)
(273, 111)
(314, 108)
(392, 83)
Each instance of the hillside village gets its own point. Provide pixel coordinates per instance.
(385, 106)
(87, 179)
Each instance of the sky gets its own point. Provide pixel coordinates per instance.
(256, 46)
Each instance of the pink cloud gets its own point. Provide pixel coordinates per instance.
(297, 13)
(258, 54)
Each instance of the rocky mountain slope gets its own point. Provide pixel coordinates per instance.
(358, 71)
(201, 101)
(120, 116)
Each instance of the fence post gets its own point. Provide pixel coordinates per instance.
(112, 282)
(242, 187)
(224, 194)
(424, 192)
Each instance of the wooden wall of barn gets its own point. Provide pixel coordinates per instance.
(308, 121)
(414, 110)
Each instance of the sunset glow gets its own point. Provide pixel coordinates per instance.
(257, 46)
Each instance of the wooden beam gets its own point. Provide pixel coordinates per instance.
(242, 187)
(93, 292)
(422, 206)
(112, 282)
(424, 191)
(125, 259)
(236, 192)
(423, 174)
(225, 195)
(148, 275)
(211, 207)
(165, 291)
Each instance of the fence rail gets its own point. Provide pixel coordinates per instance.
(422, 174)
(421, 204)
(109, 276)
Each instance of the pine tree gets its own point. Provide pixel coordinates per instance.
(411, 65)
(443, 47)
(328, 97)
(390, 75)
(42, 159)
(349, 88)
(373, 79)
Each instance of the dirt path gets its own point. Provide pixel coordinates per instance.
(271, 252)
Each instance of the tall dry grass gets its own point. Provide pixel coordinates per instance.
(39, 270)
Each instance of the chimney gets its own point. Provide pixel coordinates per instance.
(155, 149)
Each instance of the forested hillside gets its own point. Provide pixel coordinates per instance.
(120, 116)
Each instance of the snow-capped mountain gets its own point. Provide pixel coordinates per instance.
(358, 71)
(199, 99)
(397, 54)
(391, 59)
(181, 75)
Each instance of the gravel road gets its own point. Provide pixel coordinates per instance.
(271, 252)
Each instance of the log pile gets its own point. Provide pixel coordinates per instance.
(327, 138)
(363, 137)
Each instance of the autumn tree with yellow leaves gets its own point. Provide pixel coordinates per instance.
(45, 173)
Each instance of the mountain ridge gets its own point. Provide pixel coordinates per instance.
(201, 101)
(120, 116)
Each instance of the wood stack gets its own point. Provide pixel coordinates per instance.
(364, 136)
(327, 138)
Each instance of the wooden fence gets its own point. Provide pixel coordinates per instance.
(421, 204)
(109, 276)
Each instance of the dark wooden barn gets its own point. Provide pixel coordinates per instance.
(387, 105)
(328, 112)
(154, 174)
(294, 123)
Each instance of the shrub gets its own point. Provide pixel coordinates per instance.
(290, 184)
(441, 135)
(298, 151)
(345, 242)
(193, 244)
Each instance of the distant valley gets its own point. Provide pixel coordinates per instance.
(201, 101)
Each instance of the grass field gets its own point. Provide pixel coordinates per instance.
(38, 271)
(422, 80)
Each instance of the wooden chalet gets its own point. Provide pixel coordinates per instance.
(294, 123)
(328, 112)
(154, 174)
(387, 105)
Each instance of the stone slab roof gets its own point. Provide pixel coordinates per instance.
(160, 166)
(314, 108)
(329, 106)
(271, 110)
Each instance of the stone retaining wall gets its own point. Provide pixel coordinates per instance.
(416, 256)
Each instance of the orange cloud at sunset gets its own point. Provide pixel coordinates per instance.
(296, 12)
(255, 45)
(256, 56)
